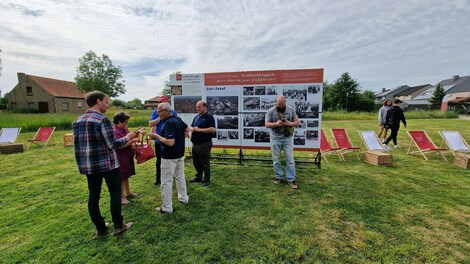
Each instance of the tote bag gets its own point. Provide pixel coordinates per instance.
(144, 152)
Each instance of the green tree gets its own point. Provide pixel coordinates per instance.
(343, 94)
(99, 73)
(118, 102)
(167, 87)
(134, 103)
(437, 96)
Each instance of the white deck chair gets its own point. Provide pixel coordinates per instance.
(371, 141)
(455, 142)
(9, 135)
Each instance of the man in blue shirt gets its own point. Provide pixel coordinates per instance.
(95, 153)
(172, 141)
(203, 129)
(157, 122)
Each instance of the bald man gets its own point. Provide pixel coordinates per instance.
(280, 120)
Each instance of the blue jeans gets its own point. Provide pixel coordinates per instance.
(285, 144)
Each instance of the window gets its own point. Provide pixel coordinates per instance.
(65, 106)
(79, 104)
(13, 105)
(29, 90)
(30, 105)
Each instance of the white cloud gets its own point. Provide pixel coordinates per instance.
(381, 43)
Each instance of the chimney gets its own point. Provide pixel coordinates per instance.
(21, 76)
(383, 90)
(455, 78)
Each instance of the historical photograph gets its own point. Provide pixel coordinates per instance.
(249, 90)
(295, 94)
(313, 89)
(186, 104)
(260, 90)
(227, 122)
(302, 124)
(271, 90)
(233, 134)
(254, 120)
(176, 90)
(267, 102)
(262, 135)
(312, 123)
(222, 135)
(312, 134)
(223, 105)
(299, 137)
(307, 110)
(248, 133)
(251, 103)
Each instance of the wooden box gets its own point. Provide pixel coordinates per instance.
(68, 139)
(378, 158)
(12, 148)
(462, 160)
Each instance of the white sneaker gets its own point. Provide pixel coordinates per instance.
(397, 146)
(386, 146)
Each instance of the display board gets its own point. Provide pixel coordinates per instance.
(239, 102)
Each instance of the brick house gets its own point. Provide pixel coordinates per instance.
(46, 95)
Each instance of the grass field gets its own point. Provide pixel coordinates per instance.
(416, 211)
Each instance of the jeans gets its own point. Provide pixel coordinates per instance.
(285, 144)
(113, 181)
(173, 168)
(201, 160)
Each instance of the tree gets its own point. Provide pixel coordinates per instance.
(343, 94)
(99, 73)
(118, 102)
(134, 103)
(437, 96)
(167, 87)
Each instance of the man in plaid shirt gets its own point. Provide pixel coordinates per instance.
(95, 145)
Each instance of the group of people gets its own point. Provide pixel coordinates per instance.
(104, 151)
(390, 116)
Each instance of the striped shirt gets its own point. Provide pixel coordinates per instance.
(95, 143)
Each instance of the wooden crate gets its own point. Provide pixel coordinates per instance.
(462, 160)
(378, 158)
(11, 148)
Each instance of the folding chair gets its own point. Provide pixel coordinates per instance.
(371, 141)
(43, 136)
(344, 142)
(327, 149)
(455, 142)
(424, 144)
(9, 135)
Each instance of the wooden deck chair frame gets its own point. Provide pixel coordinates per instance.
(39, 138)
(9, 135)
(345, 145)
(424, 151)
(328, 149)
(455, 142)
(371, 142)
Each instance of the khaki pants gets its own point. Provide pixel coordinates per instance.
(173, 168)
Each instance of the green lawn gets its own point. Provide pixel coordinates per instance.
(416, 211)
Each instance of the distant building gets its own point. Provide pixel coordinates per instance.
(153, 102)
(45, 95)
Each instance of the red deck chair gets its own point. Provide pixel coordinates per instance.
(43, 136)
(424, 144)
(343, 141)
(327, 149)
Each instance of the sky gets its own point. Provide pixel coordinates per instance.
(382, 44)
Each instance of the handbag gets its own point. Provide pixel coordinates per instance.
(143, 152)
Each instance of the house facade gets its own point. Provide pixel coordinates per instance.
(46, 95)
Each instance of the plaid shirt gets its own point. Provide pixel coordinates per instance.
(95, 143)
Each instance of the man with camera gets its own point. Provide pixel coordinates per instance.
(281, 120)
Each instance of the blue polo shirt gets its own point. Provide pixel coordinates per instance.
(202, 121)
(158, 127)
(173, 128)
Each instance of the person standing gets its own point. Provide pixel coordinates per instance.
(156, 123)
(172, 140)
(202, 130)
(125, 155)
(382, 120)
(281, 120)
(95, 153)
(393, 117)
